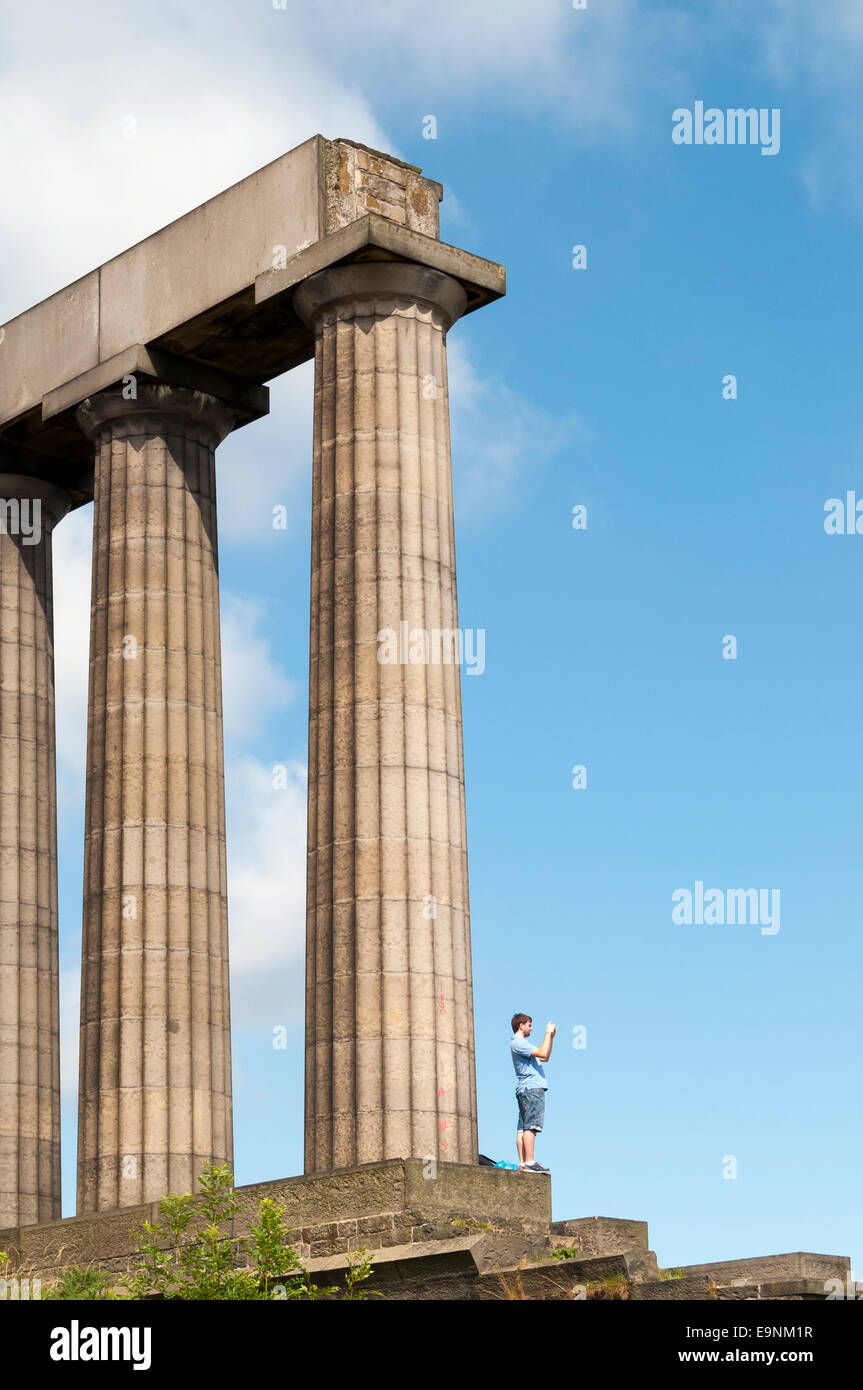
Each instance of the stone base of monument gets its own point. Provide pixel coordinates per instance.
(449, 1231)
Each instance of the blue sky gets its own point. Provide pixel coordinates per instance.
(603, 387)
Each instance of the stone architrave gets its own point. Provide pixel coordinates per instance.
(155, 1075)
(29, 972)
(390, 1066)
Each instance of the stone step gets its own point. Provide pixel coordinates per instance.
(762, 1269)
(478, 1266)
(594, 1236)
(505, 1267)
(811, 1290)
(694, 1287)
(603, 1235)
(701, 1287)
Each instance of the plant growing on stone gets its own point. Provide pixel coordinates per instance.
(275, 1264)
(82, 1283)
(615, 1287)
(473, 1225)
(18, 1280)
(190, 1254)
(209, 1258)
(359, 1268)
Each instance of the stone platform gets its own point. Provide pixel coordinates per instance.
(450, 1231)
(376, 1205)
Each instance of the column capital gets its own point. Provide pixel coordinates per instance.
(20, 485)
(376, 280)
(157, 408)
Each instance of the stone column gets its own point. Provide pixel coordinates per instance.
(29, 971)
(389, 1003)
(155, 1076)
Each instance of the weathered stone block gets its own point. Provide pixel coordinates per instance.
(460, 1187)
(330, 1246)
(325, 1231)
(371, 1241)
(371, 1224)
(603, 1235)
(791, 1289)
(546, 1283)
(405, 1264)
(346, 1194)
(84, 1239)
(698, 1287)
(494, 1252)
(798, 1264)
(399, 1235)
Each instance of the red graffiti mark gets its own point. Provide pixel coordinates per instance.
(442, 1004)
(444, 1090)
(443, 1124)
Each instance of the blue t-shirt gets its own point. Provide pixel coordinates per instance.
(529, 1073)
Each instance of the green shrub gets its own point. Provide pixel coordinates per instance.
(190, 1254)
(80, 1283)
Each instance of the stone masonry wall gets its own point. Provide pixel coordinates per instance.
(358, 181)
(376, 1205)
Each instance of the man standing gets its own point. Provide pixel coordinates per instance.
(530, 1089)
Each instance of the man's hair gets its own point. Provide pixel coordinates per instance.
(519, 1019)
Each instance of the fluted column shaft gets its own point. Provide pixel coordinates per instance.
(155, 1075)
(390, 1065)
(29, 971)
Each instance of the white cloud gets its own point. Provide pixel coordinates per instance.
(587, 66)
(268, 464)
(812, 52)
(70, 1012)
(822, 40)
(213, 91)
(214, 94)
(72, 553)
(500, 441)
(266, 824)
(253, 684)
(266, 889)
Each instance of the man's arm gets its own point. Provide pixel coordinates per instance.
(544, 1052)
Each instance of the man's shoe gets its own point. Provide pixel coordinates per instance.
(535, 1168)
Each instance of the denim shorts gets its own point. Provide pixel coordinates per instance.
(531, 1108)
